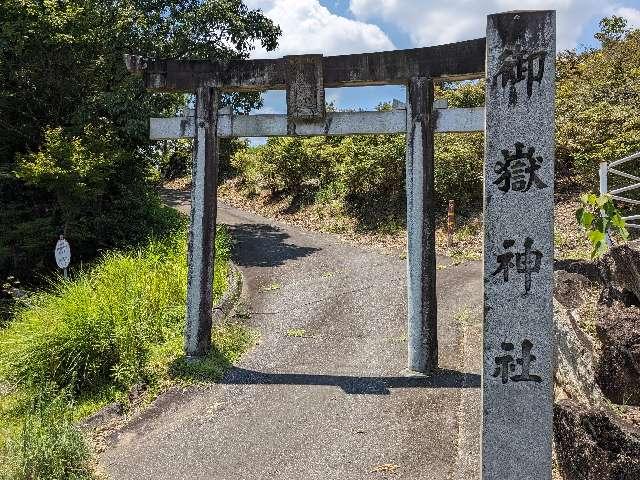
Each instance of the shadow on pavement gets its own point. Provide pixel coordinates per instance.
(351, 384)
(175, 198)
(262, 245)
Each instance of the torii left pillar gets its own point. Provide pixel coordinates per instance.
(202, 232)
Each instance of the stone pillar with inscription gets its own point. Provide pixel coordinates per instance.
(517, 378)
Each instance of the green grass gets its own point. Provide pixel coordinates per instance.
(83, 343)
(46, 444)
(296, 332)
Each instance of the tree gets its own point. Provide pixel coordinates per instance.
(597, 98)
(65, 94)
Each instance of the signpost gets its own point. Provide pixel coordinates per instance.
(62, 253)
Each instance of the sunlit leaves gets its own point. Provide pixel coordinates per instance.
(600, 219)
(597, 95)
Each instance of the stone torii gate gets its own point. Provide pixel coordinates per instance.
(335, 123)
(305, 77)
(517, 58)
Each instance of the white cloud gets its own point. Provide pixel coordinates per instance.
(430, 22)
(631, 14)
(308, 27)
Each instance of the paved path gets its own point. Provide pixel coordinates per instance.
(334, 404)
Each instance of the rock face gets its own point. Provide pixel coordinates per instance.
(568, 288)
(574, 349)
(618, 368)
(591, 445)
(622, 266)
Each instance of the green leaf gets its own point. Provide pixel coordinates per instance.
(596, 236)
(624, 233)
(600, 224)
(586, 219)
(602, 200)
(617, 221)
(599, 249)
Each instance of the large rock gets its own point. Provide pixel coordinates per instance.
(621, 267)
(592, 445)
(575, 359)
(587, 268)
(618, 368)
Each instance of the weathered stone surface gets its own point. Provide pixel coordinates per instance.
(586, 268)
(454, 61)
(575, 359)
(422, 332)
(592, 445)
(518, 349)
(202, 229)
(622, 266)
(618, 368)
(568, 288)
(305, 88)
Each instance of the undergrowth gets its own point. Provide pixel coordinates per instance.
(86, 341)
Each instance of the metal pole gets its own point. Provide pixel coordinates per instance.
(421, 259)
(603, 178)
(604, 189)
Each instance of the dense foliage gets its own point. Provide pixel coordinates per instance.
(48, 445)
(598, 93)
(75, 157)
(366, 173)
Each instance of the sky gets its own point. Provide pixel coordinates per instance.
(337, 27)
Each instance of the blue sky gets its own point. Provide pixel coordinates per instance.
(334, 27)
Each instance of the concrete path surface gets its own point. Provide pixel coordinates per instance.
(334, 404)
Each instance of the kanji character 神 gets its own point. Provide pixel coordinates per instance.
(527, 262)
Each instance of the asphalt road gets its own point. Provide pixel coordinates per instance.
(336, 403)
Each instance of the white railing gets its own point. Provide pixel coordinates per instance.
(608, 168)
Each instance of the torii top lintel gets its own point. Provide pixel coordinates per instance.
(455, 61)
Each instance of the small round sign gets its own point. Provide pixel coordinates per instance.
(63, 253)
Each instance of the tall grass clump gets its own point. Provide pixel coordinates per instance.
(46, 443)
(100, 329)
(84, 342)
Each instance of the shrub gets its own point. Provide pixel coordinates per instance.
(371, 166)
(95, 192)
(596, 96)
(100, 328)
(459, 168)
(362, 169)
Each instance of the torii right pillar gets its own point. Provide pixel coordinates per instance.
(518, 347)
